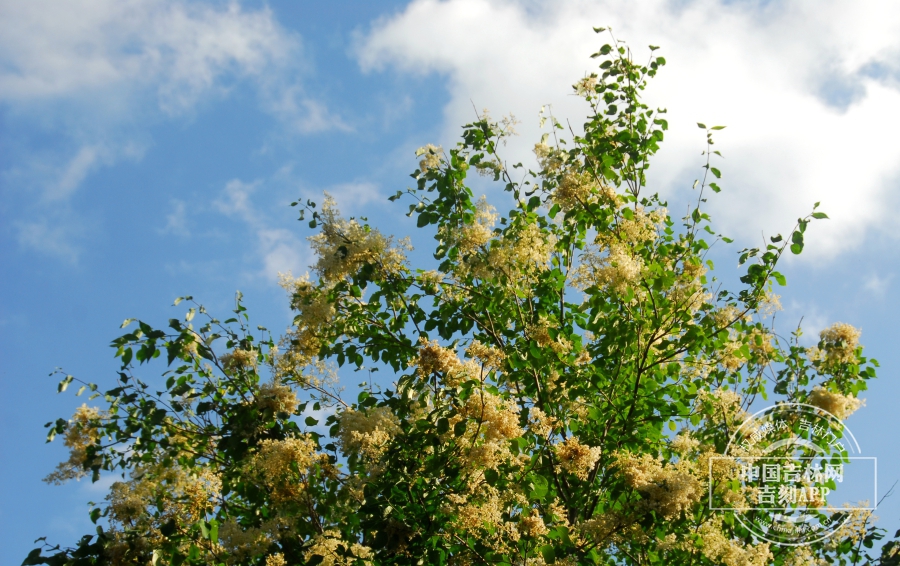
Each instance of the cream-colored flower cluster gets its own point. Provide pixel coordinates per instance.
(533, 526)
(489, 168)
(760, 344)
(614, 262)
(586, 86)
(721, 404)
(367, 433)
(277, 463)
(491, 422)
(314, 313)
(669, 490)
(435, 359)
(803, 556)
(156, 495)
(550, 159)
(841, 406)
(854, 526)
(540, 423)
(277, 397)
(329, 546)
(611, 527)
(344, 246)
(242, 543)
(517, 255)
(840, 342)
(433, 156)
(471, 237)
(489, 356)
(575, 189)
(540, 333)
(498, 418)
(685, 443)
(576, 458)
(238, 359)
(720, 549)
(81, 433)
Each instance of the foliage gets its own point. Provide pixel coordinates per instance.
(541, 370)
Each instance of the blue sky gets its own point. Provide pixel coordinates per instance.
(150, 148)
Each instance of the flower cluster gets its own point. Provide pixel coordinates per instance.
(345, 246)
(839, 343)
(576, 458)
(841, 406)
(276, 397)
(238, 359)
(281, 466)
(669, 490)
(83, 431)
(335, 551)
(432, 157)
(368, 433)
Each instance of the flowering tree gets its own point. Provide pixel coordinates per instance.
(563, 381)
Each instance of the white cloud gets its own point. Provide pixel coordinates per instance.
(237, 200)
(877, 285)
(354, 196)
(88, 158)
(279, 250)
(176, 222)
(807, 89)
(301, 114)
(282, 252)
(54, 49)
(52, 238)
(84, 70)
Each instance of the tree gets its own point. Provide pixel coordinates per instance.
(540, 375)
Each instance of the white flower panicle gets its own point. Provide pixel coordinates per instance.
(840, 342)
(669, 490)
(367, 433)
(277, 397)
(345, 246)
(81, 433)
(576, 458)
(841, 406)
(433, 156)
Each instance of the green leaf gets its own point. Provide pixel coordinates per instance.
(716, 172)
(541, 486)
(819, 215)
(701, 126)
(780, 278)
(548, 553)
(718, 128)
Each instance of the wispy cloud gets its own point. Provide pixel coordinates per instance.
(176, 221)
(877, 284)
(279, 250)
(54, 237)
(808, 91)
(92, 76)
(176, 48)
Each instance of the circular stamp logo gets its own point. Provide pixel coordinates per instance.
(787, 474)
